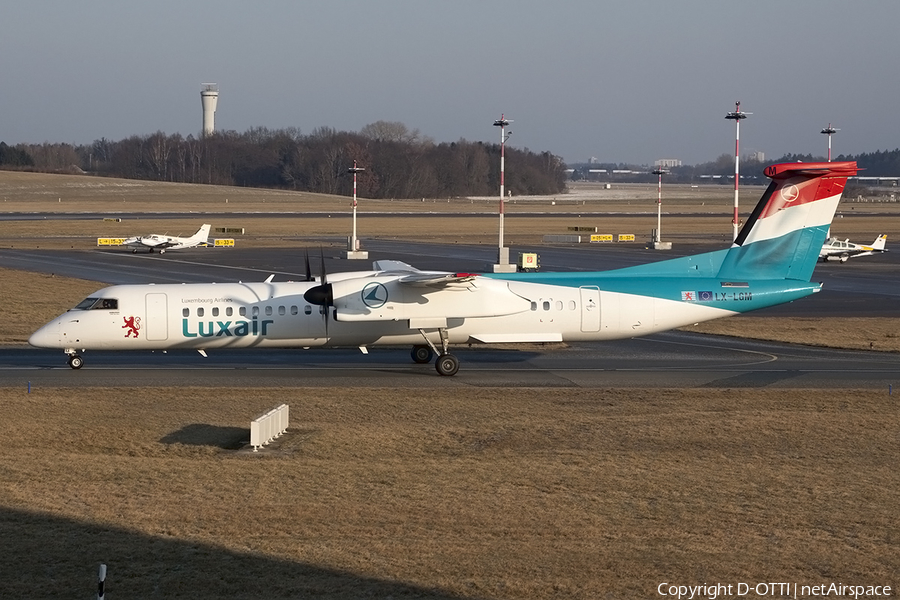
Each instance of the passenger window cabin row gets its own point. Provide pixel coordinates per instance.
(557, 305)
(242, 311)
(200, 311)
(215, 311)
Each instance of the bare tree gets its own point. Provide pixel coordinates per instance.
(158, 150)
(390, 131)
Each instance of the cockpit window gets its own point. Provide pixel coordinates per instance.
(98, 304)
(86, 304)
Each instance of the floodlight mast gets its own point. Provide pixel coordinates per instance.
(354, 169)
(736, 116)
(828, 131)
(502, 122)
(659, 172)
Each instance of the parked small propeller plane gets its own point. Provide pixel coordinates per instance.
(835, 249)
(160, 242)
(770, 262)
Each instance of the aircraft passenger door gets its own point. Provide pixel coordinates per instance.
(156, 322)
(590, 308)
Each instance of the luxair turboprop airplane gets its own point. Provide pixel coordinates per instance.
(769, 263)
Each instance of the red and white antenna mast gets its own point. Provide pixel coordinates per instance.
(828, 131)
(737, 115)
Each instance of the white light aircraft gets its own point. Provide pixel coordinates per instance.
(771, 262)
(835, 249)
(160, 242)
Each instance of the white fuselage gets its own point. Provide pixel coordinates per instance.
(240, 315)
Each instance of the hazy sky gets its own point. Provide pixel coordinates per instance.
(627, 81)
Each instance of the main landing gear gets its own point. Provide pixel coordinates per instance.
(421, 354)
(446, 364)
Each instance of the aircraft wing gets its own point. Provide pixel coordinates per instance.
(435, 279)
(411, 276)
(144, 242)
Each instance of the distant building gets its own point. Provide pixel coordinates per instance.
(666, 163)
(757, 156)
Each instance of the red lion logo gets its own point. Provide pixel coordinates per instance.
(133, 324)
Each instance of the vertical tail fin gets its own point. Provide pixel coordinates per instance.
(782, 237)
(202, 234)
(878, 244)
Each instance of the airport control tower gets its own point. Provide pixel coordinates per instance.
(209, 97)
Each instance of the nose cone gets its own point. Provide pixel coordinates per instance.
(323, 295)
(47, 336)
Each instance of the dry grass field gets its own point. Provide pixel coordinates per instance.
(441, 493)
(488, 493)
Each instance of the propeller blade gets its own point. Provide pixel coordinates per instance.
(329, 293)
(321, 294)
(309, 276)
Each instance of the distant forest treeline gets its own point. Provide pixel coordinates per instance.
(875, 164)
(398, 162)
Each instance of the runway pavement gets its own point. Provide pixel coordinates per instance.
(868, 286)
(668, 360)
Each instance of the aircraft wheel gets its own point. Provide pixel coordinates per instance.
(447, 365)
(844, 258)
(421, 354)
(76, 362)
